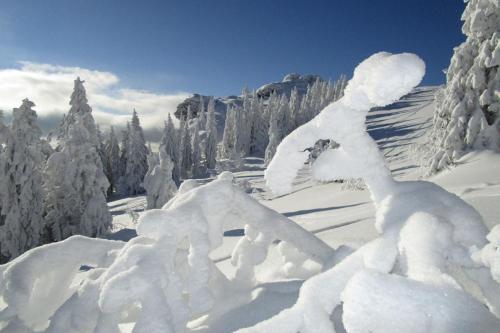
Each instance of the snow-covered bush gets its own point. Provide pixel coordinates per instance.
(467, 114)
(418, 275)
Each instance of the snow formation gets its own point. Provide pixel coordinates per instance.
(428, 237)
(159, 280)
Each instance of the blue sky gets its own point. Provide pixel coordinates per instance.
(217, 46)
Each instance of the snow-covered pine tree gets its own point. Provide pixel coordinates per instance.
(121, 185)
(202, 122)
(294, 108)
(260, 126)
(74, 181)
(21, 168)
(275, 137)
(75, 185)
(82, 110)
(112, 160)
(467, 114)
(202, 117)
(101, 148)
(137, 158)
(158, 182)
(185, 153)
(228, 144)
(212, 136)
(170, 143)
(198, 169)
(189, 114)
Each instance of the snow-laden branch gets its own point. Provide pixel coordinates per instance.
(427, 235)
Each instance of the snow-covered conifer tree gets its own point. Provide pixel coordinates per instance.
(294, 108)
(74, 180)
(137, 158)
(260, 126)
(112, 160)
(228, 144)
(189, 114)
(198, 169)
(21, 164)
(158, 183)
(212, 136)
(186, 161)
(121, 186)
(170, 143)
(467, 114)
(202, 117)
(275, 137)
(82, 110)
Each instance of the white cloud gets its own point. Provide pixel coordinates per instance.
(50, 87)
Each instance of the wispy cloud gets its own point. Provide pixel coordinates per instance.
(50, 87)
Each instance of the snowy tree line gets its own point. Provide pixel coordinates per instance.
(259, 125)
(467, 115)
(52, 192)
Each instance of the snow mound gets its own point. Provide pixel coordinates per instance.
(372, 303)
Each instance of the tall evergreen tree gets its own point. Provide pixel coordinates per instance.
(74, 179)
(21, 182)
(228, 143)
(170, 143)
(467, 112)
(186, 161)
(202, 117)
(137, 158)
(198, 169)
(212, 136)
(124, 147)
(112, 160)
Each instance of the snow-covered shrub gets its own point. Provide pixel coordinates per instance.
(418, 275)
(467, 114)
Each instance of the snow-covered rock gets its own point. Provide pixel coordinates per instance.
(289, 82)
